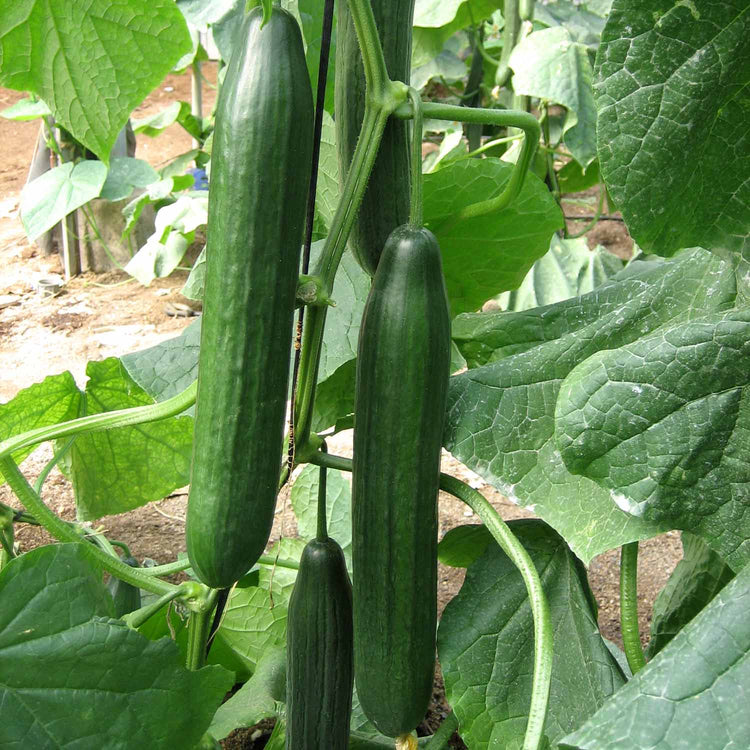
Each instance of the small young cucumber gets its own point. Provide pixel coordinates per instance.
(385, 204)
(127, 598)
(319, 651)
(260, 171)
(403, 367)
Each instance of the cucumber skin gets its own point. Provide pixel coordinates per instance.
(403, 367)
(319, 651)
(261, 164)
(385, 204)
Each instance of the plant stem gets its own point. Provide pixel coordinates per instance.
(440, 738)
(7, 552)
(552, 182)
(631, 637)
(199, 625)
(503, 117)
(382, 97)
(62, 531)
(322, 531)
(93, 224)
(415, 206)
(104, 421)
(543, 633)
(595, 219)
(135, 619)
(51, 465)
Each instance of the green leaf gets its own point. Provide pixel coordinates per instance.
(446, 65)
(25, 109)
(91, 62)
(342, 322)
(70, 675)
(568, 270)
(304, 497)
(259, 698)
(462, 546)
(500, 419)
(572, 178)
(334, 397)
(109, 473)
(671, 94)
(158, 257)
(486, 649)
(53, 195)
(489, 254)
(435, 21)
(584, 21)
(124, 174)
(327, 192)
(223, 28)
(692, 695)
(168, 368)
(698, 577)
(548, 64)
(255, 615)
(157, 123)
(193, 288)
(56, 399)
(661, 422)
(311, 21)
(202, 13)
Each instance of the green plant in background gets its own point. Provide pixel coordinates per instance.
(610, 400)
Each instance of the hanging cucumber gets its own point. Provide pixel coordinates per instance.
(385, 204)
(319, 645)
(127, 598)
(401, 383)
(260, 170)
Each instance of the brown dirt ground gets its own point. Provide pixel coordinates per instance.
(100, 316)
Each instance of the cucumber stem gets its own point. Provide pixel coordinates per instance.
(415, 207)
(444, 732)
(322, 531)
(199, 625)
(104, 421)
(503, 117)
(543, 631)
(382, 97)
(631, 638)
(63, 532)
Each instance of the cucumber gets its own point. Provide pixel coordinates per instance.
(403, 367)
(319, 651)
(260, 170)
(385, 204)
(127, 598)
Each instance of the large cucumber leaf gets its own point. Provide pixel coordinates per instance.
(66, 666)
(486, 645)
(91, 62)
(500, 420)
(661, 424)
(671, 84)
(692, 695)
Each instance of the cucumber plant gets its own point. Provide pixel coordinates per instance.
(632, 393)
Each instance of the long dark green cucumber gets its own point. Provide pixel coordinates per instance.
(402, 378)
(319, 651)
(260, 169)
(385, 204)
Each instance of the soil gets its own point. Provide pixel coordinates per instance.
(98, 316)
